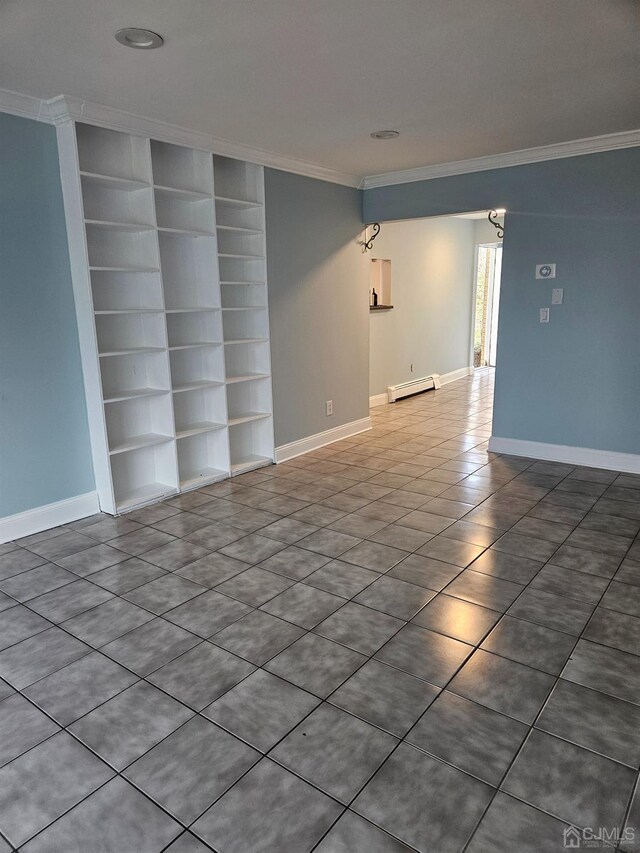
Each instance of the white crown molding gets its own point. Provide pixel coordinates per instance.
(591, 145)
(48, 516)
(17, 104)
(321, 439)
(590, 457)
(65, 108)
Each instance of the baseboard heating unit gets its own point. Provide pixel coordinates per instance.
(415, 386)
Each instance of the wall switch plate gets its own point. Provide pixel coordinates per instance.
(545, 270)
(544, 315)
(557, 295)
(329, 406)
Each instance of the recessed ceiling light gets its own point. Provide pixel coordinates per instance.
(385, 134)
(140, 39)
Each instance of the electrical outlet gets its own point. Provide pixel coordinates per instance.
(544, 315)
(557, 295)
(412, 368)
(329, 407)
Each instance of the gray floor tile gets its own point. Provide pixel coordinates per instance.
(69, 600)
(570, 783)
(92, 560)
(17, 561)
(334, 751)
(565, 582)
(212, 569)
(425, 654)
(316, 664)
(425, 571)
(594, 720)
(67, 543)
(127, 575)
(603, 543)
(294, 563)
(359, 628)
(34, 582)
(22, 726)
(255, 586)
(510, 826)
(43, 783)
(423, 802)
(503, 685)
(187, 843)
(269, 809)
(201, 675)
(387, 697)
(253, 549)
(552, 611)
(469, 736)
(451, 551)
(395, 597)
(19, 623)
(5, 690)
(79, 687)
(6, 602)
(330, 543)
(164, 593)
(128, 725)
(506, 566)
(190, 769)
(487, 591)
(288, 530)
(629, 572)
(116, 817)
(622, 597)
(108, 528)
(589, 562)
(257, 637)
(353, 834)
(207, 613)
(215, 536)
(182, 523)
(533, 645)
(459, 619)
(107, 622)
(425, 521)
(141, 540)
(262, 709)
(38, 656)
(608, 670)
(341, 578)
(402, 537)
(371, 555)
(176, 555)
(303, 605)
(150, 646)
(552, 531)
(617, 630)
(631, 836)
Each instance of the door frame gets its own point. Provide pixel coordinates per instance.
(486, 245)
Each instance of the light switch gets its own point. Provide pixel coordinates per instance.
(544, 315)
(545, 270)
(557, 295)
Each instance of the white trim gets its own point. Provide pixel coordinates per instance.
(446, 378)
(590, 145)
(320, 439)
(629, 463)
(17, 104)
(48, 516)
(378, 400)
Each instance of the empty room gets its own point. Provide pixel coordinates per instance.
(319, 426)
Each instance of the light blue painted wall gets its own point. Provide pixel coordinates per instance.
(575, 381)
(318, 304)
(44, 438)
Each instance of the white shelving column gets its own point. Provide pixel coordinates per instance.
(239, 195)
(185, 211)
(106, 180)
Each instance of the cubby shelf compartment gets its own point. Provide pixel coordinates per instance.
(176, 365)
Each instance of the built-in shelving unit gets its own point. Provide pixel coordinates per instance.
(168, 261)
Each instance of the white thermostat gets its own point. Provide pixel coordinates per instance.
(545, 270)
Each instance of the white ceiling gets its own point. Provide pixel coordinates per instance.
(310, 80)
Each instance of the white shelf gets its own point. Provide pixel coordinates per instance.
(140, 441)
(192, 386)
(200, 310)
(145, 494)
(199, 478)
(130, 351)
(248, 377)
(136, 393)
(247, 417)
(243, 257)
(247, 308)
(237, 202)
(114, 182)
(196, 429)
(119, 226)
(187, 232)
(249, 462)
(123, 268)
(243, 283)
(181, 195)
(239, 229)
(246, 341)
(128, 311)
(198, 345)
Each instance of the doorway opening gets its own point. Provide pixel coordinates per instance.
(486, 302)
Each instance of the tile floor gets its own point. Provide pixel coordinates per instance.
(399, 642)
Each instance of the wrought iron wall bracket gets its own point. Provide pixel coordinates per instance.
(493, 219)
(368, 244)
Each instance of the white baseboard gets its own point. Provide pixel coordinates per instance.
(445, 378)
(320, 439)
(378, 400)
(629, 463)
(462, 373)
(51, 515)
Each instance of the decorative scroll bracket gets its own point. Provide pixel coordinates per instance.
(368, 244)
(493, 219)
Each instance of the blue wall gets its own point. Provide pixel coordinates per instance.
(44, 439)
(575, 381)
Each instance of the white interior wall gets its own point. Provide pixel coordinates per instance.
(429, 327)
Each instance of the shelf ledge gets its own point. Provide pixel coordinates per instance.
(148, 440)
(248, 417)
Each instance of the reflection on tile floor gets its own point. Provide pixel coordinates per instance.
(398, 642)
